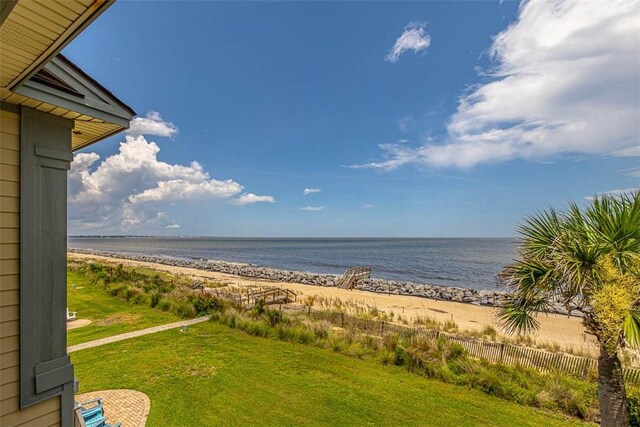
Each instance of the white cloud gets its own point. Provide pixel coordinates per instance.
(413, 38)
(367, 206)
(181, 189)
(312, 208)
(406, 123)
(132, 188)
(151, 124)
(311, 191)
(172, 226)
(633, 172)
(249, 198)
(566, 80)
(614, 193)
(633, 151)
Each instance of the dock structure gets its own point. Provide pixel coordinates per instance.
(353, 276)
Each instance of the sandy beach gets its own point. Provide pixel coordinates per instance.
(567, 332)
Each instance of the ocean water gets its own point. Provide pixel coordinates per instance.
(471, 263)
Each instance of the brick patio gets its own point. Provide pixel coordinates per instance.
(130, 407)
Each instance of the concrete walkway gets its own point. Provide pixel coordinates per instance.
(134, 334)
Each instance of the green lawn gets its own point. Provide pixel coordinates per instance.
(109, 315)
(213, 375)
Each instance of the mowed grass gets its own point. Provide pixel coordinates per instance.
(214, 375)
(108, 314)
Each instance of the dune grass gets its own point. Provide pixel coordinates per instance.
(213, 375)
(109, 315)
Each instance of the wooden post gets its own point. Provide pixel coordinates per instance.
(585, 368)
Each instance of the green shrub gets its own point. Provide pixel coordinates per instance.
(357, 350)
(229, 317)
(387, 357)
(164, 304)
(321, 330)
(116, 290)
(633, 405)
(335, 342)
(259, 308)
(369, 342)
(129, 293)
(206, 304)
(183, 309)
(257, 328)
(296, 334)
(490, 331)
(274, 317)
(456, 351)
(155, 299)
(390, 341)
(141, 299)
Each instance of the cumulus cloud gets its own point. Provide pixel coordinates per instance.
(413, 38)
(132, 188)
(615, 193)
(311, 191)
(312, 208)
(151, 124)
(250, 198)
(172, 226)
(566, 80)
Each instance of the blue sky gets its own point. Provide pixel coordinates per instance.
(412, 119)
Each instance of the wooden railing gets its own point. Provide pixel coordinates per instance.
(352, 276)
(272, 296)
(247, 297)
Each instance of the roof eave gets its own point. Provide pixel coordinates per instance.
(88, 16)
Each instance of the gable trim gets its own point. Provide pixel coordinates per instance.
(77, 92)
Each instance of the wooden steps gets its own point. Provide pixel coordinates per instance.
(352, 276)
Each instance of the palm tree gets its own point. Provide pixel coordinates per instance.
(588, 260)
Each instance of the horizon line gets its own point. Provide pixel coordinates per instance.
(288, 237)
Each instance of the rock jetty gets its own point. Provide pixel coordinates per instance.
(490, 298)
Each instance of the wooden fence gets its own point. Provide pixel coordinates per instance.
(490, 351)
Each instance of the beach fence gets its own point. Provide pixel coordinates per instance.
(493, 352)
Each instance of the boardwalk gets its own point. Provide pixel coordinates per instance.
(135, 334)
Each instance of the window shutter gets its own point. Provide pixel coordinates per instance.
(45, 152)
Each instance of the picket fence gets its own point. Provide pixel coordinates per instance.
(490, 351)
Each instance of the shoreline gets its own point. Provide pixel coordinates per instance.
(566, 332)
(488, 298)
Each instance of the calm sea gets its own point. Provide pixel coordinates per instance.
(472, 263)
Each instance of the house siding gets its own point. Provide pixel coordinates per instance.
(46, 413)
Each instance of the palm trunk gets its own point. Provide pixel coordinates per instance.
(611, 391)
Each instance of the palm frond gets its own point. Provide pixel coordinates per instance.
(631, 329)
(516, 317)
(539, 233)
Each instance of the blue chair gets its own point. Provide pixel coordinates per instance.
(92, 413)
